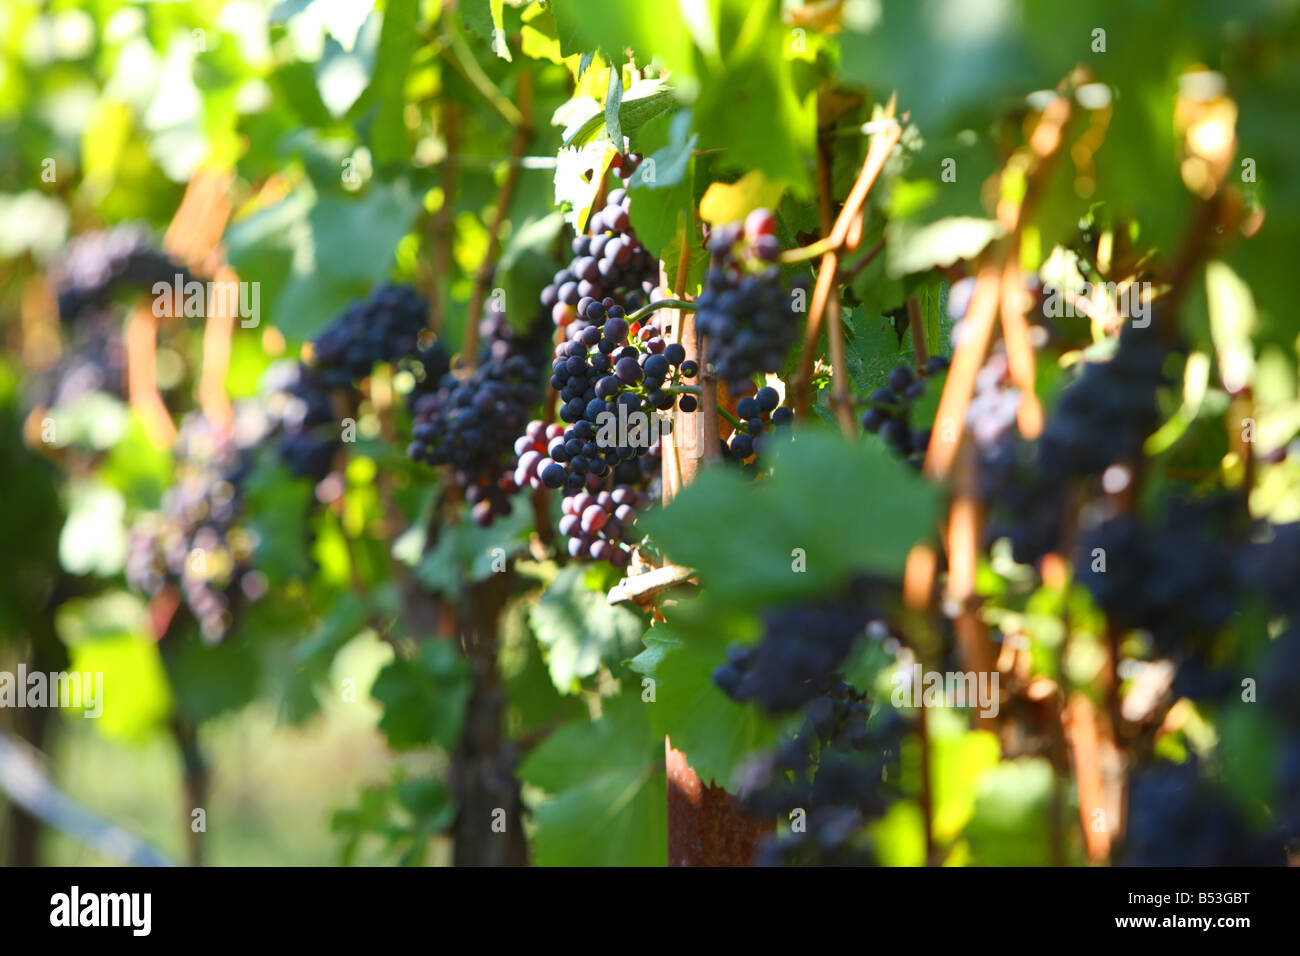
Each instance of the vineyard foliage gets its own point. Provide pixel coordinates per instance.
(977, 357)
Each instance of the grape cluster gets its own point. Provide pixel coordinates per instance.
(1107, 414)
(1102, 419)
(384, 327)
(1269, 568)
(800, 652)
(530, 452)
(608, 262)
(624, 165)
(613, 379)
(598, 525)
(93, 359)
(890, 410)
(597, 521)
(1280, 694)
(760, 415)
(1174, 577)
(196, 541)
(96, 264)
(427, 366)
(1177, 817)
(1023, 508)
(841, 768)
(470, 423)
(308, 432)
(744, 311)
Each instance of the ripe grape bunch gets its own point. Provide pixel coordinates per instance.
(890, 410)
(595, 520)
(1107, 414)
(744, 311)
(470, 424)
(1022, 508)
(1177, 817)
(841, 768)
(1172, 576)
(1102, 419)
(608, 262)
(196, 541)
(760, 415)
(96, 264)
(93, 359)
(800, 652)
(384, 327)
(308, 431)
(614, 380)
(599, 525)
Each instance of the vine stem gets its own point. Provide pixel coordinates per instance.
(996, 268)
(865, 260)
(676, 464)
(441, 223)
(193, 237)
(142, 377)
(881, 146)
(814, 250)
(1020, 349)
(681, 305)
(523, 134)
(735, 422)
(706, 825)
(841, 404)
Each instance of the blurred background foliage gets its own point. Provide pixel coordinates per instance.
(369, 141)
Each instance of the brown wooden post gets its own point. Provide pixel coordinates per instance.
(706, 825)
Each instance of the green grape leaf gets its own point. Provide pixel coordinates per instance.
(215, 679)
(910, 248)
(714, 732)
(831, 507)
(644, 101)
(423, 698)
(344, 620)
(138, 468)
(578, 174)
(135, 695)
(958, 758)
(534, 702)
(478, 16)
(354, 236)
(499, 45)
(749, 105)
(466, 551)
(526, 264)
(579, 629)
(1011, 821)
(663, 187)
(278, 507)
(613, 101)
(652, 31)
(942, 56)
(397, 43)
(607, 802)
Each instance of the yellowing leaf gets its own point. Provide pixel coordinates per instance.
(732, 202)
